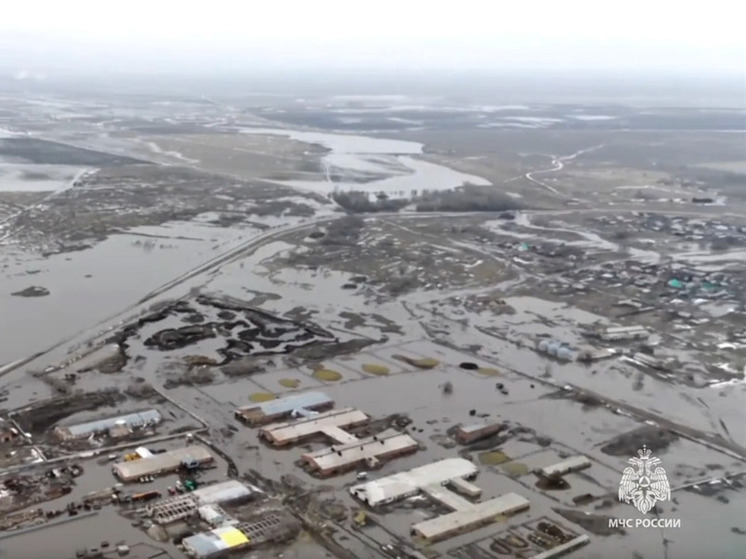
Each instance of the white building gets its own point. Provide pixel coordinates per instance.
(406, 484)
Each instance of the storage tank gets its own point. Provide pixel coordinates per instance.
(543, 345)
(565, 354)
(553, 347)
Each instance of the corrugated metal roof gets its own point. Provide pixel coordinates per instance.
(445, 497)
(160, 462)
(307, 426)
(232, 537)
(205, 544)
(390, 441)
(441, 526)
(466, 487)
(131, 420)
(625, 329)
(473, 428)
(290, 403)
(223, 492)
(408, 483)
(571, 464)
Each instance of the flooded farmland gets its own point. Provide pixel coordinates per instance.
(201, 342)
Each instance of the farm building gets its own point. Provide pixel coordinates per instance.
(467, 434)
(120, 423)
(272, 526)
(299, 405)
(368, 453)
(623, 333)
(469, 518)
(573, 464)
(329, 423)
(406, 484)
(159, 464)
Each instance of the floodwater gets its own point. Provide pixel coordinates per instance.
(358, 158)
(36, 178)
(89, 286)
(588, 238)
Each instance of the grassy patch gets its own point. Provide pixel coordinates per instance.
(289, 382)
(420, 363)
(493, 458)
(259, 397)
(327, 375)
(373, 369)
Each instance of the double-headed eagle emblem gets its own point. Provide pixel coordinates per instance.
(644, 484)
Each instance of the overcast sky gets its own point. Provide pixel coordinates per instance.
(153, 35)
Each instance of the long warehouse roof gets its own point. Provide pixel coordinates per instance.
(213, 542)
(160, 462)
(349, 453)
(98, 425)
(466, 519)
(307, 426)
(223, 492)
(289, 403)
(404, 484)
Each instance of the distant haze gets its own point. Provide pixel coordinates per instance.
(222, 37)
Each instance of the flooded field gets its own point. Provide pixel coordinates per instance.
(181, 275)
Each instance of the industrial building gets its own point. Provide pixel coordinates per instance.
(648, 361)
(368, 453)
(271, 526)
(467, 434)
(329, 424)
(467, 519)
(436, 481)
(126, 423)
(184, 506)
(406, 484)
(591, 354)
(623, 333)
(299, 405)
(215, 542)
(465, 488)
(159, 464)
(573, 464)
(215, 516)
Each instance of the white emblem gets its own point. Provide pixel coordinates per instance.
(643, 486)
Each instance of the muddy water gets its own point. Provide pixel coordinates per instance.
(388, 162)
(88, 286)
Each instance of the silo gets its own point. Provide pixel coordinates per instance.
(553, 347)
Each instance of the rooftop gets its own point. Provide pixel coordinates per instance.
(215, 541)
(404, 484)
(472, 517)
(572, 464)
(474, 427)
(625, 329)
(445, 497)
(289, 403)
(290, 431)
(160, 462)
(338, 456)
(131, 419)
(222, 492)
